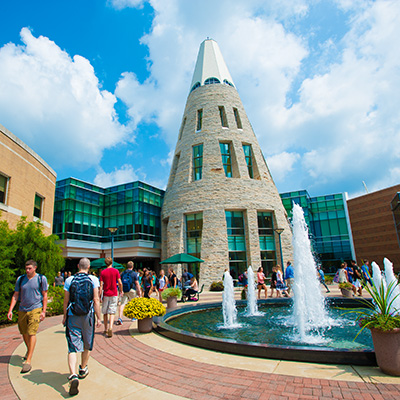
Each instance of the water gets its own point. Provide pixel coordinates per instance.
(252, 308)
(276, 326)
(229, 310)
(309, 310)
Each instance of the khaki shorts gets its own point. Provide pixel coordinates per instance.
(128, 296)
(28, 321)
(109, 305)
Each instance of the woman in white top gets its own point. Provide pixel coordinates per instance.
(162, 283)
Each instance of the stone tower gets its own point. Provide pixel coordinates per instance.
(221, 203)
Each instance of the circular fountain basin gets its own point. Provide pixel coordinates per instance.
(271, 335)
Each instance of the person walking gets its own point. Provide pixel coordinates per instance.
(81, 305)
(31, 289)
(280, 284)
(58, 280)
(321, 277)
(289, 276)
(172, 279)
(109, 278)
(261, 282)
(130, 288)
(357, 277)
(162, 284)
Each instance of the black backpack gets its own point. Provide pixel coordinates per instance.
(81, 294)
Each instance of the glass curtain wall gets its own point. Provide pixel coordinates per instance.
(194, 228)
(236, 242)
(267, 241)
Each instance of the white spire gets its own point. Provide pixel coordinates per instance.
(210, 64)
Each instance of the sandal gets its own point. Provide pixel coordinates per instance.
(26, 368)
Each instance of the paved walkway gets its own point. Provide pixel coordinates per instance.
(131, 365)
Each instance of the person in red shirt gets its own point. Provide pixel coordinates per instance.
(109, 278)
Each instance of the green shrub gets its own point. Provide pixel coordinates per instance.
(217, 286)
(55, 303)
(328, 279)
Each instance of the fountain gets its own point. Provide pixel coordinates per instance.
(229, 310)
(301, 328)
(252, 308)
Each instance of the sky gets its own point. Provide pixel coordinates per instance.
(98, 88)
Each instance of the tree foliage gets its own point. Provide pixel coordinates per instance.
(17, 246)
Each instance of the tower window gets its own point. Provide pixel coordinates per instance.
(195, 86)
(182, 128)
(249, 159)
(211, 81)
(3, 188)
(226, 158)
(37, 209)
(228, 83)
(222, 115)
(199, 119)
(197, 162)
(237, 118)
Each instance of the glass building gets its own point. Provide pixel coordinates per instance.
(85, 212)
(329, 227)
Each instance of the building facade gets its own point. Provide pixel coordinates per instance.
(84, 214)
(374, 219)
(27, 183)
(221, 203)
(329, 226)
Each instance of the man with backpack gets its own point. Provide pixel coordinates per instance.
(130, 287)
(81, 304)
(31, 290)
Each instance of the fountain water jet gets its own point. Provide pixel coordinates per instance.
(252, 308)
(229, 310)
(309, 304)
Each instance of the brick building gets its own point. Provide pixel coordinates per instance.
(373, 226)
(27, 183)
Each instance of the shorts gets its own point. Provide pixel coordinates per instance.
(357, 283)
(290, 282)
(128, 296)
(80, 332)
(28, 321)
(109, 305)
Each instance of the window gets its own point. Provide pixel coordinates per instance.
(3, 188)
(182, 128)
(37, 209)
(226, 158)
(237, 118)
(228, 83)
(194, 228)
(195, 86)
(236, 242)
(222, 115)
(199, 119)
(249, 159)
(267, 241)
(211, 81)
(197, 162)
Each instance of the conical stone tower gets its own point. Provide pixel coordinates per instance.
(221, 203)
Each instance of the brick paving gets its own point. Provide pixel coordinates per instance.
(195, 380)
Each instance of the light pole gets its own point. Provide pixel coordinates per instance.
(279, 232)
(112, 230)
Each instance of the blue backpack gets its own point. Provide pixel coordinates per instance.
(81, 294)
(127, 281)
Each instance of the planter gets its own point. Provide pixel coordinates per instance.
(145, 325)
(387, 350)
(172, 302)
(346, 293)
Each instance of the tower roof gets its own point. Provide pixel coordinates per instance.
(210, 66)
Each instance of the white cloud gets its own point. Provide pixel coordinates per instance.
(116, 177)
(120, 4)
(282, 164)
(67, 118)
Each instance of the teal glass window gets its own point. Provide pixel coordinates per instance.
(249, 159)
(222, 116)
(197, 162)
(236, 242)
(37, 208)
(266, 240)
(199, 119)
(237, 118)
(226, 158)
(194, 229)
(3, 189)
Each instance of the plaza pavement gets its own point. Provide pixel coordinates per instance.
(147, 366)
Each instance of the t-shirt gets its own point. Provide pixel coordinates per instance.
(109, 277)
(59, 280)
(260, 278)
(30, 291)
(289, 273)
(162, 281)
(172, 279)
(67, 285)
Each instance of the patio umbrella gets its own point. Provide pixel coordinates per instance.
(182, 258)
(99, 263)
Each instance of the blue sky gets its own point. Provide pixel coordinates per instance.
(97, 88)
